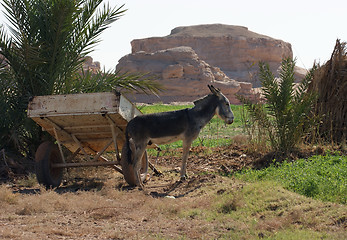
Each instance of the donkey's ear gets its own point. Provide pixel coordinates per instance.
(213, 89)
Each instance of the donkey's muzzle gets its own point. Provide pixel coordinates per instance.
(229, 121)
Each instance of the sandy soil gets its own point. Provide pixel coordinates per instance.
(98, 204)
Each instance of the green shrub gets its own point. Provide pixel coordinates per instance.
(285, 118)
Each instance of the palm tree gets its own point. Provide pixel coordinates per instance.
(286, 117)
(43, 53)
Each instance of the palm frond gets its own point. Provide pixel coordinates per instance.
(87, 81)
(286, 84)
(89, 25)
(270, 87)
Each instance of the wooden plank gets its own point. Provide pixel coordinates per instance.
(85, 103)
(59, 145)
(127, 109)
(103, 150)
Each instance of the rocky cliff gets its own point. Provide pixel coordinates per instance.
(183, 74)
(233, 49)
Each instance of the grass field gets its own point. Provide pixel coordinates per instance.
(319, 177)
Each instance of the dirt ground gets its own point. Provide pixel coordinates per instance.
(98, 204)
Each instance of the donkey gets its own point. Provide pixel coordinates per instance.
(167, 127)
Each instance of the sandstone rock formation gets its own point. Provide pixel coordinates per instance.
(183, 74)
(90, 65)
(234, 49)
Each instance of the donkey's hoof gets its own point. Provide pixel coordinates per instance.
(184, 178)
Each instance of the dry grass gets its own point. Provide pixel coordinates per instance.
(7, 196)
(267, 209)
(108, 212)
(97, 204)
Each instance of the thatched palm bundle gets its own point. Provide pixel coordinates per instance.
(330, 82)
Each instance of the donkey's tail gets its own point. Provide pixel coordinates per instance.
(128, 143)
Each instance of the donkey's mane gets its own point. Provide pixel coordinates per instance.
(202, 101)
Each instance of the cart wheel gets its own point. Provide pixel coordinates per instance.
(46, 154)
(128, 170)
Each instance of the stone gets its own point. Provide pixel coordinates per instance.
(173, 71)
(299, 73)
(89, 64)
(233, 49)
(182, 73)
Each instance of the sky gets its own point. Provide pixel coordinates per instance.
(311, 26)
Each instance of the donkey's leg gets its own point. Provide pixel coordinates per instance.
(186, 148)
(140, 150)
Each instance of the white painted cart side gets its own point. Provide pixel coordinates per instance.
(90, 118)
(89, 123)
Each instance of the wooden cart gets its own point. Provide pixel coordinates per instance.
(90, 124)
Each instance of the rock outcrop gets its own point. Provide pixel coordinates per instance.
(233, 49)
(90, 65)
(183, 74)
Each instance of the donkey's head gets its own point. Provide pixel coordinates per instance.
(223, 109)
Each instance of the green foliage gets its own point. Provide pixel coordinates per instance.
(320, 177)
(86, 81)
(44, 49)
(48, 40)
(285, 118)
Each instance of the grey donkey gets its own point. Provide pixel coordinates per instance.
(167, 127)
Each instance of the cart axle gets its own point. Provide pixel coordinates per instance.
(86, 164)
